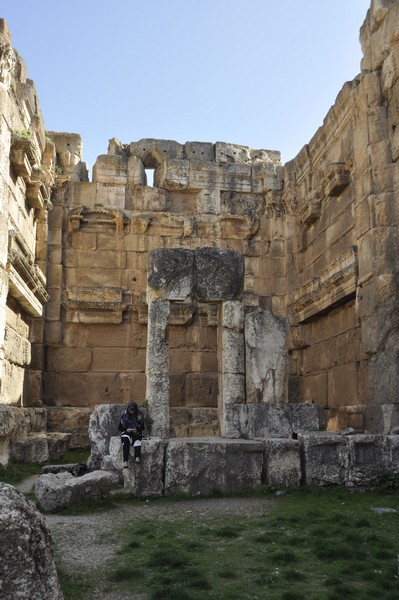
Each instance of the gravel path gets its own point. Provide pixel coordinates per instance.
(86, 543)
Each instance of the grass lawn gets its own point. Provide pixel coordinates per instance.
(314, 544)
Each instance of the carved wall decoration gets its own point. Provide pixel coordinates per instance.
(97, 305)
(83, 217)
(334, 283)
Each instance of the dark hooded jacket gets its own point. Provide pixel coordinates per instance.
(131, 421)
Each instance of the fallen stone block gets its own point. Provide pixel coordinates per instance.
(32, 449)
(76, 469)
(212, 465)
(282, 464)
(26, 550)
(55, 491)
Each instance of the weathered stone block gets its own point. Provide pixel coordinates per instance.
(32, 449)
(233, 315)
(69, 359)
(220, 274)
(231, 153)
(72, 420)
(263, 420)
(110, 169)
(201, 389)
(148, 199)
(208, 202)
(55, 491)
(393, 449)
(171, 272)
(222, 176)
(172, 175)
(145, 480)
(58, 444)
(103, 425)
(26, 550)
(233, 386)
(282, 463)
(135, 171)
(204, 422)
(111, 195)
(199, 151)
(210, 465)
(369, 456)
(266, 348)
(306, 417)
(326, 458)
(153, 152)
(233, 351)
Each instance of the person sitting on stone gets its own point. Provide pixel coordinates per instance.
(131, 426)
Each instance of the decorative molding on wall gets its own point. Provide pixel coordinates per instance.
(335, 283)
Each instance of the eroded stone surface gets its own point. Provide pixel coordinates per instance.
(212, 465)
(54, 491)
(26, 550)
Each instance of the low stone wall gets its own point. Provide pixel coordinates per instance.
(201, 466)
(25, 439)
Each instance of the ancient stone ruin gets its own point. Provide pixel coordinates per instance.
(237, 298)
(26, 550)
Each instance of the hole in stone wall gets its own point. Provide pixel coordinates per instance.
(150, 177)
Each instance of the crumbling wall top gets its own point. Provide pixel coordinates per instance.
(153, 152)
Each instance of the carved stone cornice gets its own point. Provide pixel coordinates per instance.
(310, 211)
(26, 280)
(82, 217)
(333, 183)
(96, 304)
(336, 179)
(334, 283)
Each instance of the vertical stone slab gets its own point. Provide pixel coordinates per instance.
(144, 480)
(370, 455)
(232, 366)
(158, 366)
(326, 458)
(266, 350)
(3, 319)
(282, 464)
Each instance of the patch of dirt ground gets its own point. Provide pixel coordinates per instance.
(84, 544)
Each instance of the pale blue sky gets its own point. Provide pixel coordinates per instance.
(262, 73)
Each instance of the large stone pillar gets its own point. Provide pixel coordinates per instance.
(232, 366)
(158, 366)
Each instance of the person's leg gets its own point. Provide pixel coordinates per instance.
(137, 447)
(126, 441)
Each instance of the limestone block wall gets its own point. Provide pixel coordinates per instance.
(100, 236)
(317, 238)
(26, 175)
(343, 275)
